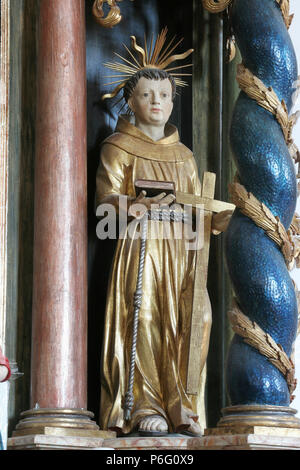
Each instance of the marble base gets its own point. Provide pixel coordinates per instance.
(149, 443)
(52, 442)
(257, 430)
(245, 442)
(57, 442)
(173, 442)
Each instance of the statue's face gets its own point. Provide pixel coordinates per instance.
(152, 102)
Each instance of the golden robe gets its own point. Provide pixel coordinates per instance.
(165, 314)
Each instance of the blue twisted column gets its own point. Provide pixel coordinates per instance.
(258, 270)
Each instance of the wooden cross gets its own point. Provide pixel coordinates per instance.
(198, 341)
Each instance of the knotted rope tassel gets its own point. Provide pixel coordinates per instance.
(137, 302)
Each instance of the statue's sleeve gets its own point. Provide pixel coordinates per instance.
(112, 172)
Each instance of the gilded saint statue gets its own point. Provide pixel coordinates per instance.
(146, 147)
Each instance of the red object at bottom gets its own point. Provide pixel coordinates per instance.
(5, 362)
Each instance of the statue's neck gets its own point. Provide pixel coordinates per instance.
(154, 132)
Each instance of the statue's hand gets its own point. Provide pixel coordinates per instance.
(142, 203)
(220, 221)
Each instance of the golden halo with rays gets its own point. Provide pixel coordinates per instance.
(153, 56)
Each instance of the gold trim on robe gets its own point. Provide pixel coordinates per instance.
(165, 314)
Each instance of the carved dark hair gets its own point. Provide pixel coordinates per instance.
(150, 74)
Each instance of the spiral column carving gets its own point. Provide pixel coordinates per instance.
(261, 242)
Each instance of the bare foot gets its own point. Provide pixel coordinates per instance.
(194, 429)
(153, 424)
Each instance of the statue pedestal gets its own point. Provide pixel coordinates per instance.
(171, 442)
(57, 429)
(255, 439)
(56, 442)
(104, 441)
(252, 427)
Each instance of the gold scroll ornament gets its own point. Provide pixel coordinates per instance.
(113, 17)
(216, 6)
